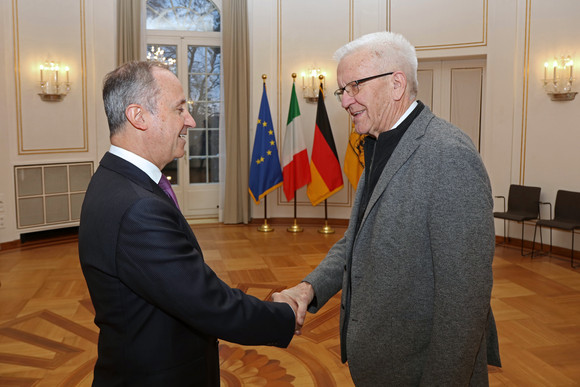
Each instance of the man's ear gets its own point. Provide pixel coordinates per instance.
(136, 116)
(399, 84)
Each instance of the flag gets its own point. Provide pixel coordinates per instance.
(325, 169)
(265, 170)
(354, 159)
(294, 153)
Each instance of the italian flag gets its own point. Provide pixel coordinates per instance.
(295, 167)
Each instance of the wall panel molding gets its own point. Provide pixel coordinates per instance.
(43, 31)
(291, 58)
(452, 32)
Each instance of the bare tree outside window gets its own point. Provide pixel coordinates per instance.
(183, 15)
(203, 76)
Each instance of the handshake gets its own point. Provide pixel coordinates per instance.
(298, 297)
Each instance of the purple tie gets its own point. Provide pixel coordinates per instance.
(166, 187)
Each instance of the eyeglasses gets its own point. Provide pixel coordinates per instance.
(352, 88)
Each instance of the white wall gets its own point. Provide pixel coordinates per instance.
(526, 138)
(78, 33)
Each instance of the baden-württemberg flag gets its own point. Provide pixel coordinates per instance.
(265, 170)
(294, 153)
(324, 165)
(354, 159)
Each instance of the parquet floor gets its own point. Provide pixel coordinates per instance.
(47, 335)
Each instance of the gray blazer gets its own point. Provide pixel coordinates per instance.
(417, 276)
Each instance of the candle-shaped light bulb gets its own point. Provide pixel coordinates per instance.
(555, 69)
(545, 71)
(41, 68)
(67, 70)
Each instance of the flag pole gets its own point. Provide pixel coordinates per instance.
(295, 227)
(326, 229)
(265, 227)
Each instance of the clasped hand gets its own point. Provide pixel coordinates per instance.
(298, 297)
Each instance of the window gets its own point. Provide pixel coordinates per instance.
(186, 35)
(183, 15)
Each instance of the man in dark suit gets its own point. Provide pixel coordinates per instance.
(159, 307)
(415, 264)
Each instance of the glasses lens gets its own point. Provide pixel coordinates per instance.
(338, 94)
(352, 89)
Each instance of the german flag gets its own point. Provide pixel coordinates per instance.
(325, 168)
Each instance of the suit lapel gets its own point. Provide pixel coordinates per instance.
(131, 172)
(410, 141)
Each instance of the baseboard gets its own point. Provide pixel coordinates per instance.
(517, 243)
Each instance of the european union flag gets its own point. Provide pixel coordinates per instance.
(265, 170)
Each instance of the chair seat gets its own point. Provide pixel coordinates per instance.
(515, 216)
(561, 224)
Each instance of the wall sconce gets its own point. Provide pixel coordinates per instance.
(52, 89)
(311, 84)
(559, 87)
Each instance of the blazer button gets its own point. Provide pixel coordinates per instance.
(342, 306)
(344, 267)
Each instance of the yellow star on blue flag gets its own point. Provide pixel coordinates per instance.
(265, 170)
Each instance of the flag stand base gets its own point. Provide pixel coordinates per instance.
(326, 229)
(295, 227)
(265, 227)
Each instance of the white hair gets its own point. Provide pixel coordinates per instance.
(390, 51)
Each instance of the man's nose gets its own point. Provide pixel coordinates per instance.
(189, 121)
(346, 100)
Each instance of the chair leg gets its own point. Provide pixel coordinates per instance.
(572, 253)
(534, 240)
(504, 231)
(522, 248)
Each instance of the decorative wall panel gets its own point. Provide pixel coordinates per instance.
(440, 24)
(309, 39)
(50, 30)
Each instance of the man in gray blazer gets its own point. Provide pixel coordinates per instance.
(415, 264)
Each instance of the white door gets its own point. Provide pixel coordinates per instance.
(195, 177)
(454, 90)
(187, 35)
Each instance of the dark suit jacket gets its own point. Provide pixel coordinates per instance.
(159, 307)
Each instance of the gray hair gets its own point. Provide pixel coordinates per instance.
(390, 51)
(131, 83)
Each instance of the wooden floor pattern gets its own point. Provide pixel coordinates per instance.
(47, 335)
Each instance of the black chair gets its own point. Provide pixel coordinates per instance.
(566, 217)
(523, 204)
